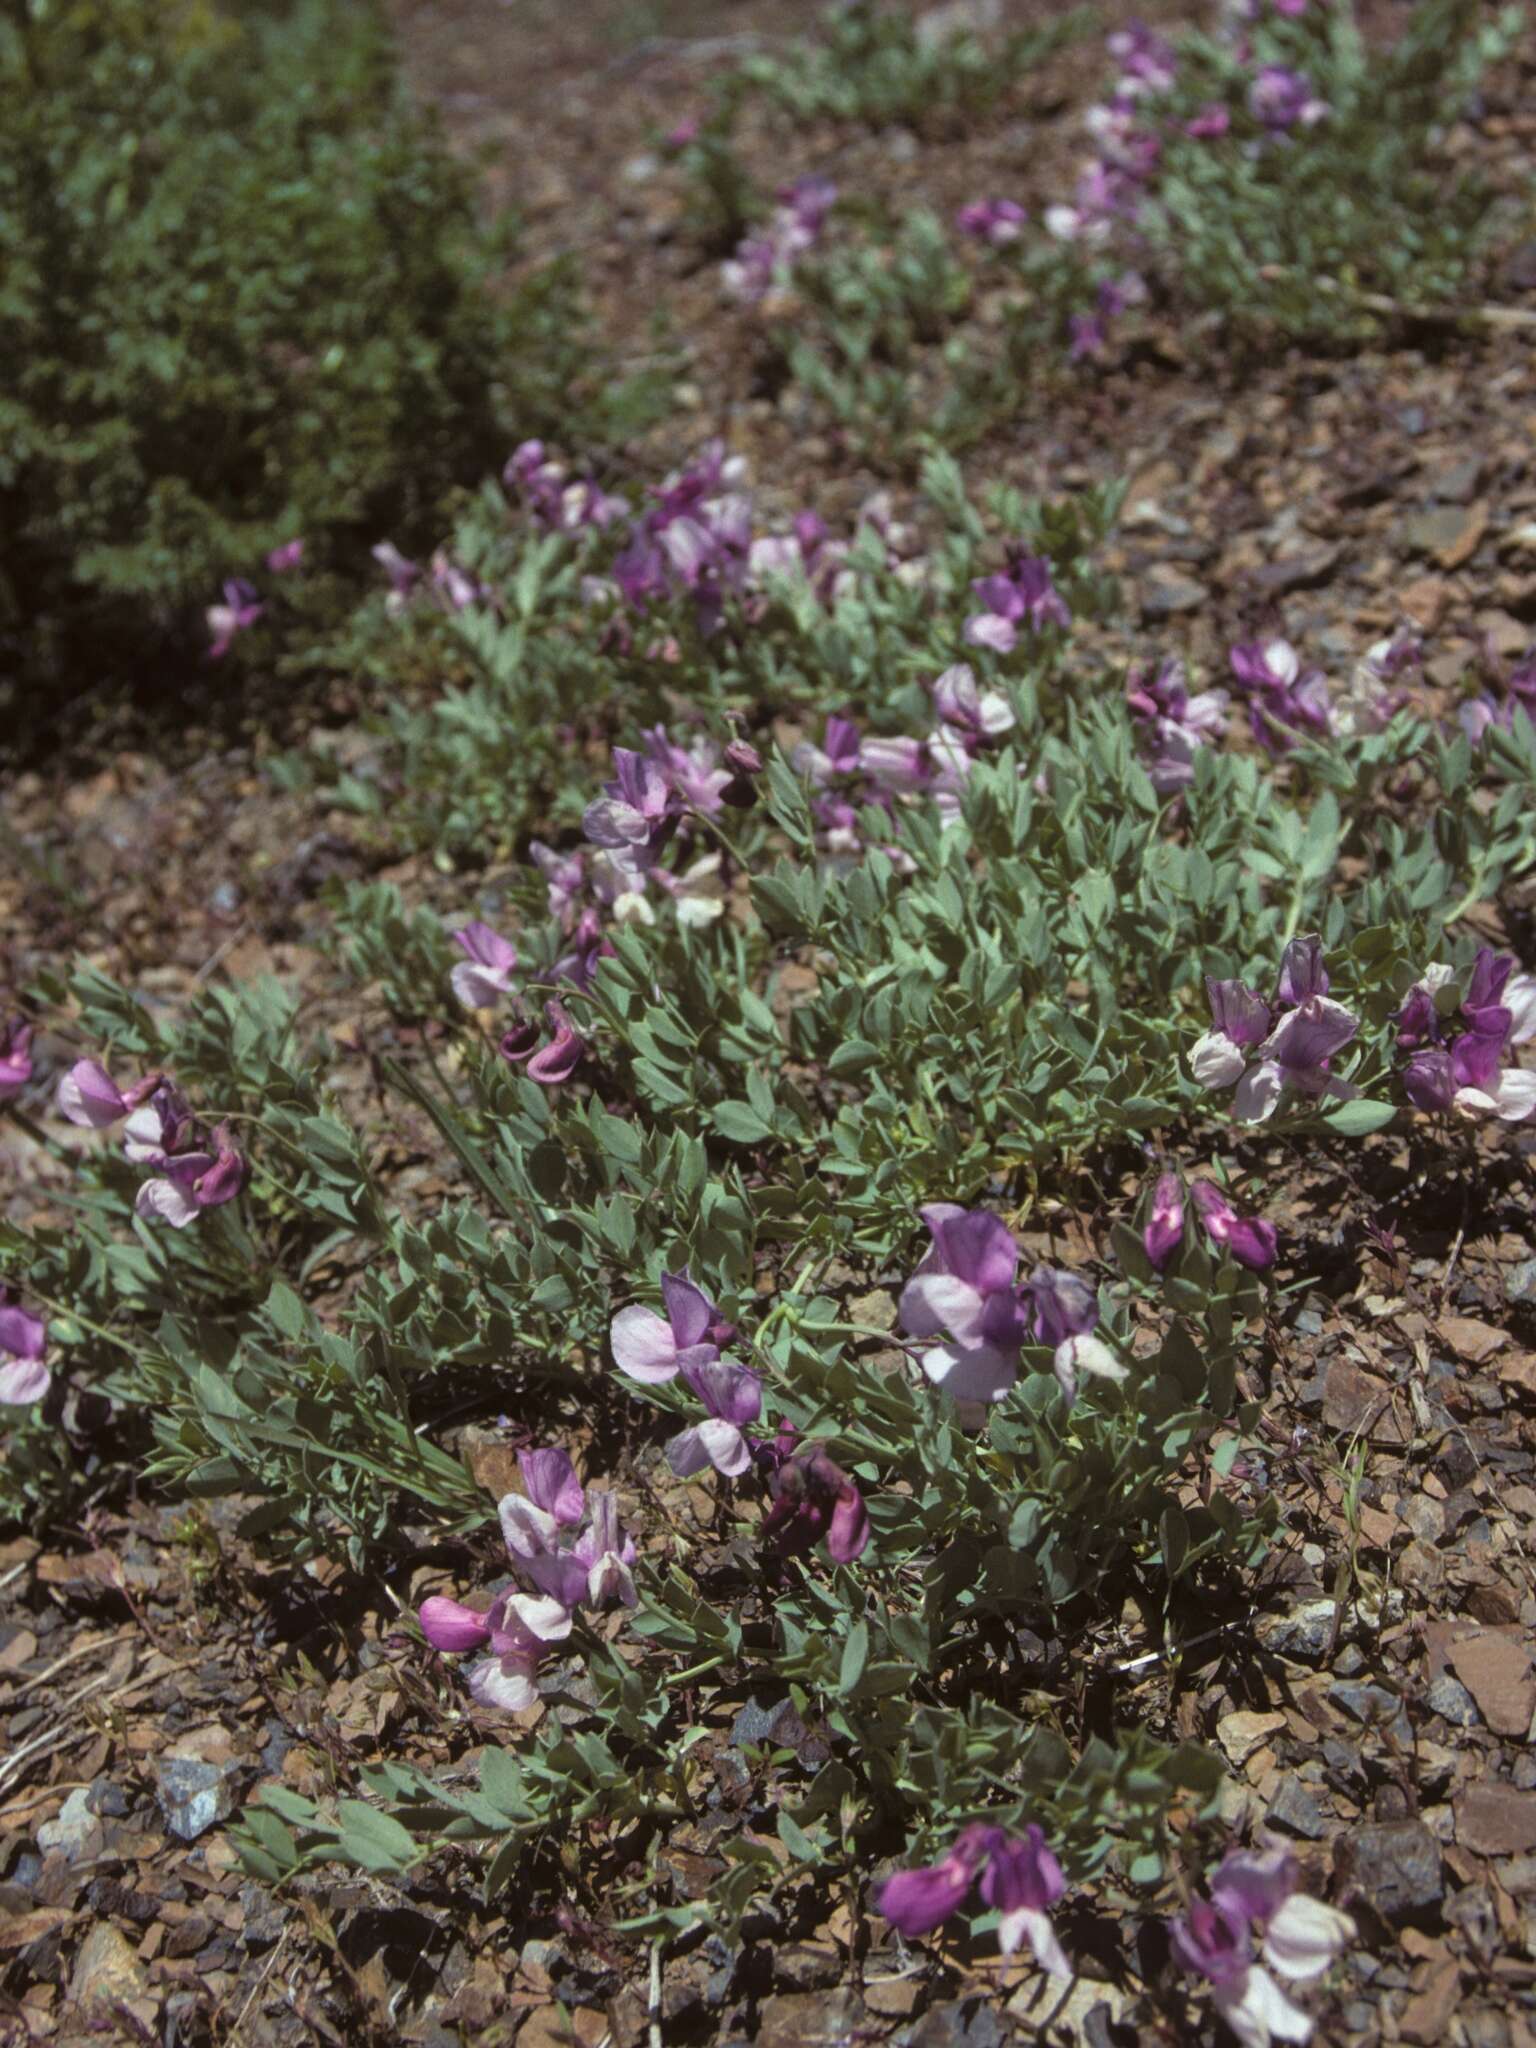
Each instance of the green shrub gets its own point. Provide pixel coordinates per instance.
(245, 297)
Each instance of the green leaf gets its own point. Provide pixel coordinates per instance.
(375, 1840)
(740, 1122)
(855, 1656)
(1355, 1119)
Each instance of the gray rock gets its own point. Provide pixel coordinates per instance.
(1520, 1282)
(1449, 1698)
(1349, 1663)
(1374, 1707)
(1295, 1812)
(1167, 594)
(1397, 1866)
(1309, 1322)
(1302, 1634)
(194, 1796)
(76, 1833)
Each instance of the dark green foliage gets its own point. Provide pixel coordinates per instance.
(245, 297)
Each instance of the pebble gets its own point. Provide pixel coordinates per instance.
(1520, 1281)
(1374, 1707)
(194, 1796)
(1295, 1812)
(1449, 1698)
(1397, 1867)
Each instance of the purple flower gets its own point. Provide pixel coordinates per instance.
(897, 766)
(815, 1500)
(1214, 1939)
(193, 1179)
(977, 715)
(1285, 701)
(521, 1628)
(733, 1396)
(1147, 63)
(485, 974)
(556, 1061)
(23, 1339)
(964, 1286)
(1302, 973)
(449, 1625)
(1418, 1021)
(403, 573)
(1059, 1305)
(1018, 1876)
(837, 755)
(1280, 98)
(693, 774)
(1025, 595)
(607, 1555)
(1428, 1080)
(994, 221)
(633, 807)
(15, 1057)
(1239, 1020)
(1297, 1054)
(1482, 1005)
(1209, 121)
(553, 1486)
(653, 1348)
(1250, 1239)
(564, 874)
(1163, 1231)
(239, 611)
(1171, 725)
(289, 556)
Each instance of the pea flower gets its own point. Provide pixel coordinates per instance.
(1301, 1937)
(977, 715)
(485, 974)
(733, 1395)
(813, 1500)
(239, 611)
(289, 556)
(634, 806)
(1468, 1073)
(206, 1174)
(15, 1057)
(693, 773)
(1280, 98)
(1239, 1021)
(23, 1339)
(1023, 595)
(837, 755)
(994, 221)
(1016, 1873)
(536, 1527)
(552, 1062)
(1171, 725)
(88, 1095)
(607, 1555)
(1294, 1050)
(517, 1629)
(963, 1290)
(1285, 700)
(1250, 1239)
(1208, 121)
(1163, 1232)
(652, 1348)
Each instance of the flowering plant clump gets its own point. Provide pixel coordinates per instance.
(1015, 1873)
(1458, 1061)
(1295, 1038)
(195, 1169)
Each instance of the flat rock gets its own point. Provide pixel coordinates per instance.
(1396, 1865)
(810, 2019)
(106, 1969)
(1496, 1670)
(76, 1832)
(1303, 1634)
(1496, 1820)
(1449, 1698)
(1294, 1811)
(1240, 1734)
(1356, 1399)
(1166, 593)
(194, 1796)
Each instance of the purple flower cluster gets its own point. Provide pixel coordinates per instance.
(767, 259)
(812, 1498)
(1286, 702)
(1510, 692)
(1280, 99)
(1251, 1240)
(1016, 1874)
(1255, 1904)
(964, 1297)
(1171, 725)
(568, 1565)
(1023, 596)
(193, 1169)
(239, 611)
(553, 499)
(997, 222)
(1465, 1070)
(1295, 1037)
(485, 975)
(23, 1339)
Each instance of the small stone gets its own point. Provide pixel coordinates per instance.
(1295, 1812)
(1457, 483)
(76, 1833)
(1496, 1820)
(1397, 1866)
(810, 2019)
(1374, 1707)
(1520, 1281)
(1349, 1663)
(1240, 1734)
(194, 1796)
(106, 1972)
(1167, 593)
(1449, 1698)
(1303, 1634)
(1309, 1322)
(1496, 1670)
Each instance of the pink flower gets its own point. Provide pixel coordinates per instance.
(652, 1348)
(15, 1057)
(239, 611)
(1017, 1874)
(485, 974)
(23, 1339)
(1164, 1229)
(289, 556)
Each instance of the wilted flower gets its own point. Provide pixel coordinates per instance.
(15, 1057)
(23, 1339)
(813, 1500)
(1017, 1874)
(485, 974)
(650, 1347)
(403, 573)
(1301, 1937)
(1163, 1231)
(1250, 1239)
